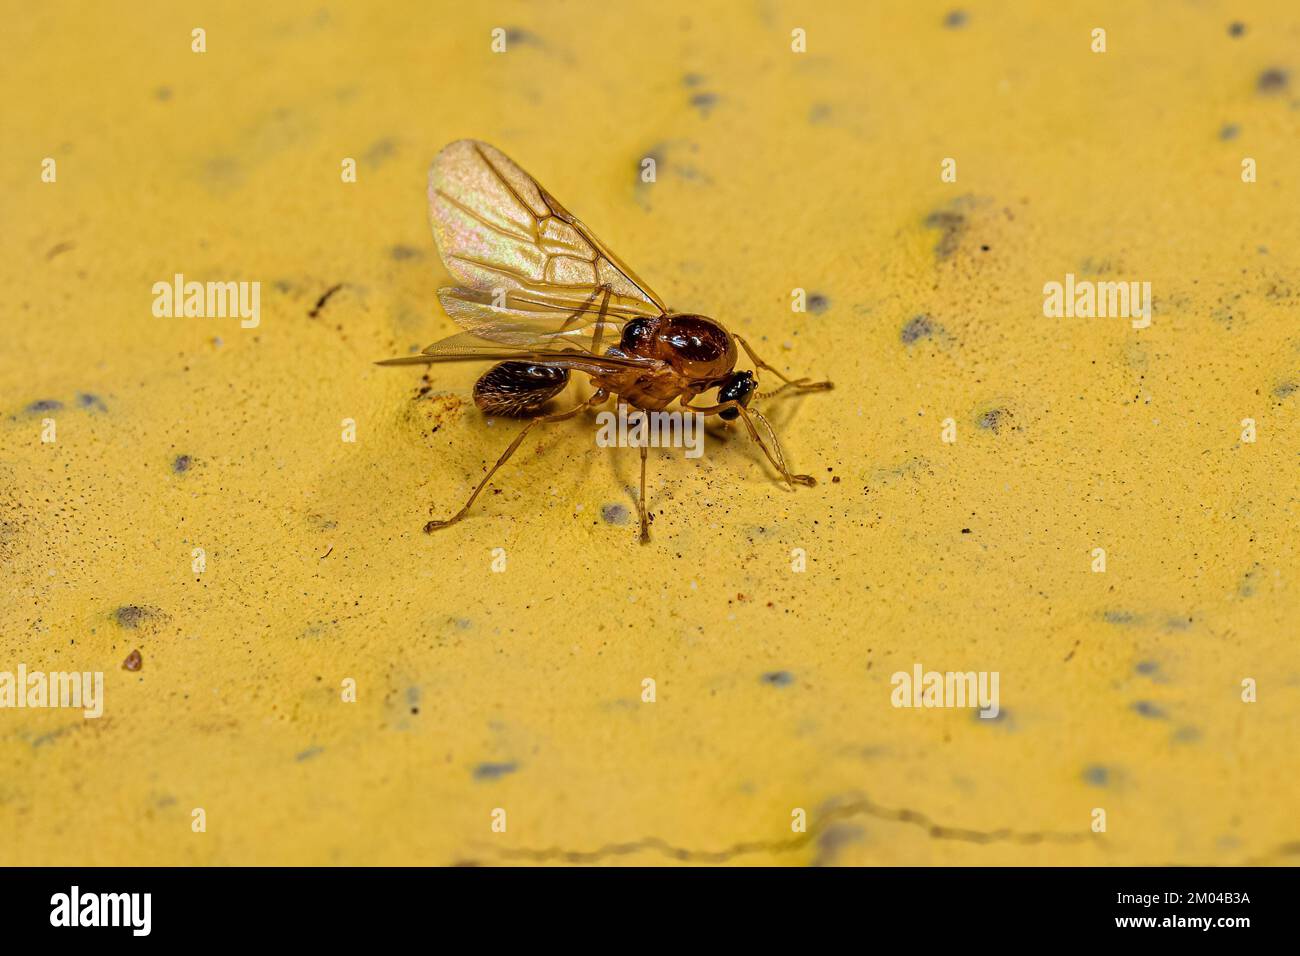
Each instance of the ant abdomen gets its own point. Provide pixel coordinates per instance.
(518, 389)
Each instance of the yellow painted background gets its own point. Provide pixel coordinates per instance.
(521, 689)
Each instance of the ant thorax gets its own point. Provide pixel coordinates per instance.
(696, 347)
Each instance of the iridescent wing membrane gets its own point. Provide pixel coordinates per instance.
(534, 278)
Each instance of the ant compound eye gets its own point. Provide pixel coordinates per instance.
(637, 337)
(738, 387)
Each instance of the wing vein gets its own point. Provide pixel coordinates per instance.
(500, 270)
(477, 217)
(511, 189)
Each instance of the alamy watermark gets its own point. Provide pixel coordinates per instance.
(212, 300)
(637, 428)
(1086, 299)
(922, 688)
(130, 910)
(37, 689)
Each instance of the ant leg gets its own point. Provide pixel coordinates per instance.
(802, 384)
(600, 322)
(597, 398)
(777, 459)
(798, 383)
(578, 312)
(641, 502)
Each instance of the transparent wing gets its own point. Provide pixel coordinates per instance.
(524, 331)
(469, 347)
(523, 320)
(514, 247)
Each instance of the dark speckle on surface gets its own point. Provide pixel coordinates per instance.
(518, 35)
(131, 615)
(1096, 775)
(1236, 28)
(1246, 586)
(704, 102)
(1229, 131)
(919, 327)
(1285, 389)
(614, 514)
(181, 464)
(493, 771)
(951, 225)
(223, 171)
(1148, 709)
(91, 401)
(833, 839)
(1273, 81)
(380, 150)
(820, 112)
(692, 79)
(1147, 667)
(1120, 617)
(668, 156)
(778, 678)
(818, 303)
(992, 419)
(44, 405)
(655, 154)
(50, 737)
(402, 253)
(309, 753)
(317, 629)
(955, 20)
(324, 297)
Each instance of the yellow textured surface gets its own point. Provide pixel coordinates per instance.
(522, 690)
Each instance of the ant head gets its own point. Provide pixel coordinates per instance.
(736, 387)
